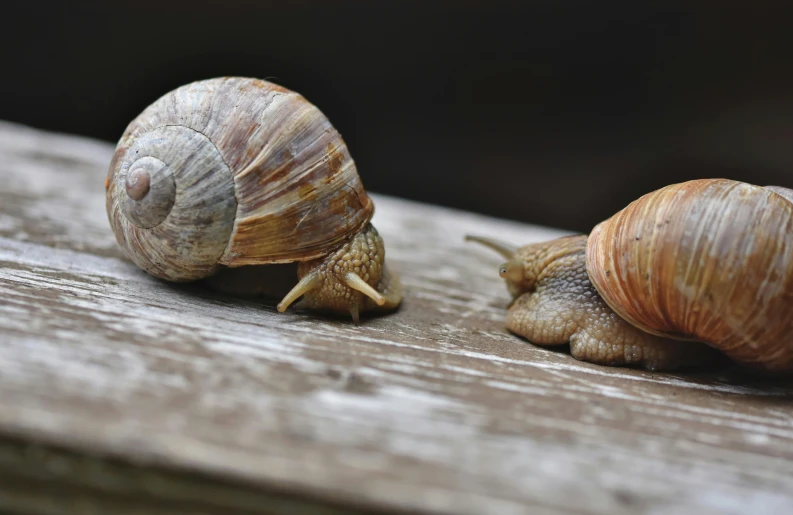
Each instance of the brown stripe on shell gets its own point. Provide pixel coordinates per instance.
(301, 196)
(708, 260)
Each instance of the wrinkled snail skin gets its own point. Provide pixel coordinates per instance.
(702, 261)
(235, 172)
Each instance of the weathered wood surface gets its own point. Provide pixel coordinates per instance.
(120, 393)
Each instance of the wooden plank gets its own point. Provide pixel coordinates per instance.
(435, 408)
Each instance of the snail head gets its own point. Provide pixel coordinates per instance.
(517, 272)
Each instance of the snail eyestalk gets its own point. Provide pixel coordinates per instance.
(512, 271)
(506, 251)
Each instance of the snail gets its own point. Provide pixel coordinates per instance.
(240, 172)
(696, 266)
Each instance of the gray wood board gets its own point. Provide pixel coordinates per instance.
(435, 408)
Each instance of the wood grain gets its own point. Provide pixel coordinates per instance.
(199, 401)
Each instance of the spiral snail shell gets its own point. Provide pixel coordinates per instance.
(708, 260)
(233, 172)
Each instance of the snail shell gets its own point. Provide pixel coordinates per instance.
(708, 260)
(232, 171)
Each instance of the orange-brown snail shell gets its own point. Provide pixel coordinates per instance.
(708, 260)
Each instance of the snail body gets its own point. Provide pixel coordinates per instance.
(234, 172)
(702, 261)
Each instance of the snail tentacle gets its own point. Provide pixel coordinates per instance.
(306, 284)
(506, 250)
(356, 283)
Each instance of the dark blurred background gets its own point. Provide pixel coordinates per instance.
(557, 113)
